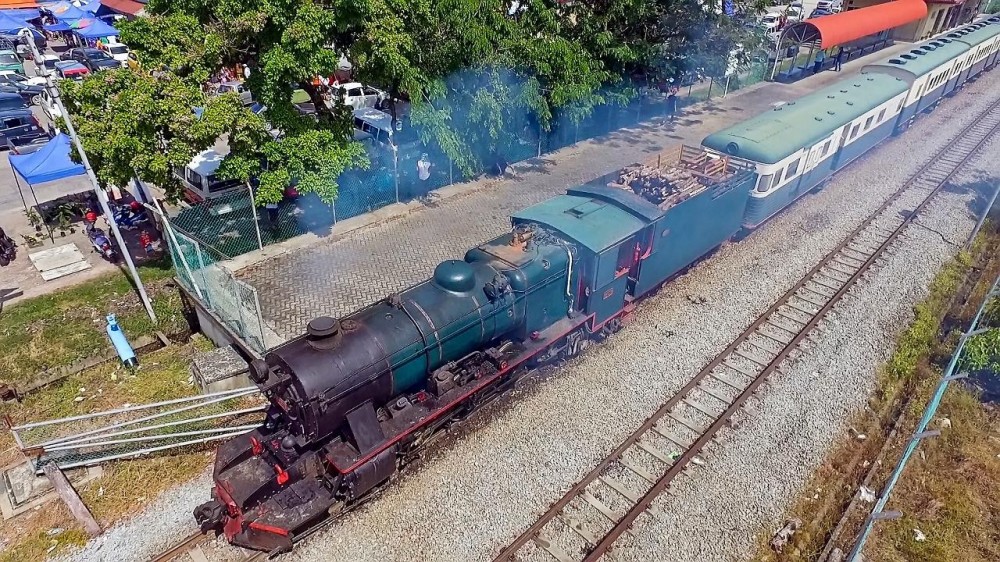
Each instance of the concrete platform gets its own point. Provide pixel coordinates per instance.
(220, 369)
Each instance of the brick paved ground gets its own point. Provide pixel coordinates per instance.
(338, 276)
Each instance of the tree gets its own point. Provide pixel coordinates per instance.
(134, 125)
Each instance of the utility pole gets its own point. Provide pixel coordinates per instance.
(102, 196)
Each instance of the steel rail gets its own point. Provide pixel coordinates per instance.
(195, 541)
(929, 177)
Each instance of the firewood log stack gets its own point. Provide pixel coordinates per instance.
(657, 185)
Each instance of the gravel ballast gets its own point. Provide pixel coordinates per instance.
(478, 490)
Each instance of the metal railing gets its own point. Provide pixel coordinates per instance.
(135, 431)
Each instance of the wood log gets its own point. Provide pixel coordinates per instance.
(71, 499)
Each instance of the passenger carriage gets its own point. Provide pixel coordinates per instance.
(797, 146)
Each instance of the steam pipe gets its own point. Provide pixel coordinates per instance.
(569, 279)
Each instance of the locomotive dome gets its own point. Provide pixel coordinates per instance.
(455, 275)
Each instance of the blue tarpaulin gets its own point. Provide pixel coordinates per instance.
(96, 29)
(49, 163)
(24, 15)
(92, 6)
(64, 11)
(11, 25)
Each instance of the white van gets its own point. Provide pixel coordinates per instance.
(199, 180)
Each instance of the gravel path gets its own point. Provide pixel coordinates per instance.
(476, 492)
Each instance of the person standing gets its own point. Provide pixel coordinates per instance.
(820, 59)
(424, 168)
(672, 106)
(838, 60)
(272, 214)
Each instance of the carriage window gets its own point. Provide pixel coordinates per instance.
(826, 147)
(881, 115)
(854, 131)
(868, 123)
(792, 168)
(764, 183)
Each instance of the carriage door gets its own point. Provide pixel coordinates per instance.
(643, 249)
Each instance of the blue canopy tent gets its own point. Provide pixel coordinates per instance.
(23, 14)
(91, 6)
(66, 12)
(49, 163)
(11, 25)
(96, 29)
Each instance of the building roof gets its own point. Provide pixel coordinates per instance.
(595, 224)
(837, 29)
(976, 33)
(778, 133)
(125, 7)
(919, 60)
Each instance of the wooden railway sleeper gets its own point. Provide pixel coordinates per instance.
(772, 323)
(821, 284)
(700, 407)
(682, 444)
(750, 358)
(820, 304)
(767, 350)
(685, 422)
(789, 317)
(599, 506)
(577, 527)
(825, 273)
(654, 452)
(556, 552)
(809, 313)
(730, 382)
(638, 470)
(715, 394)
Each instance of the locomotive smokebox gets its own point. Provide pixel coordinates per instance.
(323, 333)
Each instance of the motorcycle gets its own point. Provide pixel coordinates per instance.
(129, 218)
(101, 243)
(8, 252)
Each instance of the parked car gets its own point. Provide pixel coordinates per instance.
(133, 61)
(21, 46)
(10, 61)
(50, 63)
(818, 13)
(70, 69)
(93, 59)
(117, 51)
(771, 21)
(19, 84)
(11, 76)
(17, 123)
(794, 13)
(28, 143)
(236, 87)
(832, 6)
(12, 100)
(358, 95)
(49, 107)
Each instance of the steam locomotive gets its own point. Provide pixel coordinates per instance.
(354, 400)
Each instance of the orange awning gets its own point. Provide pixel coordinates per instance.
(12, 4)
(837, 29)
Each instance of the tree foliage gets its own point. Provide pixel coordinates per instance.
(476, 74)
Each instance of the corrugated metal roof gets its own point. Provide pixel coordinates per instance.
(776, 134)
(596, 224)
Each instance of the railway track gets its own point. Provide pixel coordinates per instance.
(190, 550)
(596, 511)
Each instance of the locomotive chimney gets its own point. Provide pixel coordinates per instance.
(323, 333)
